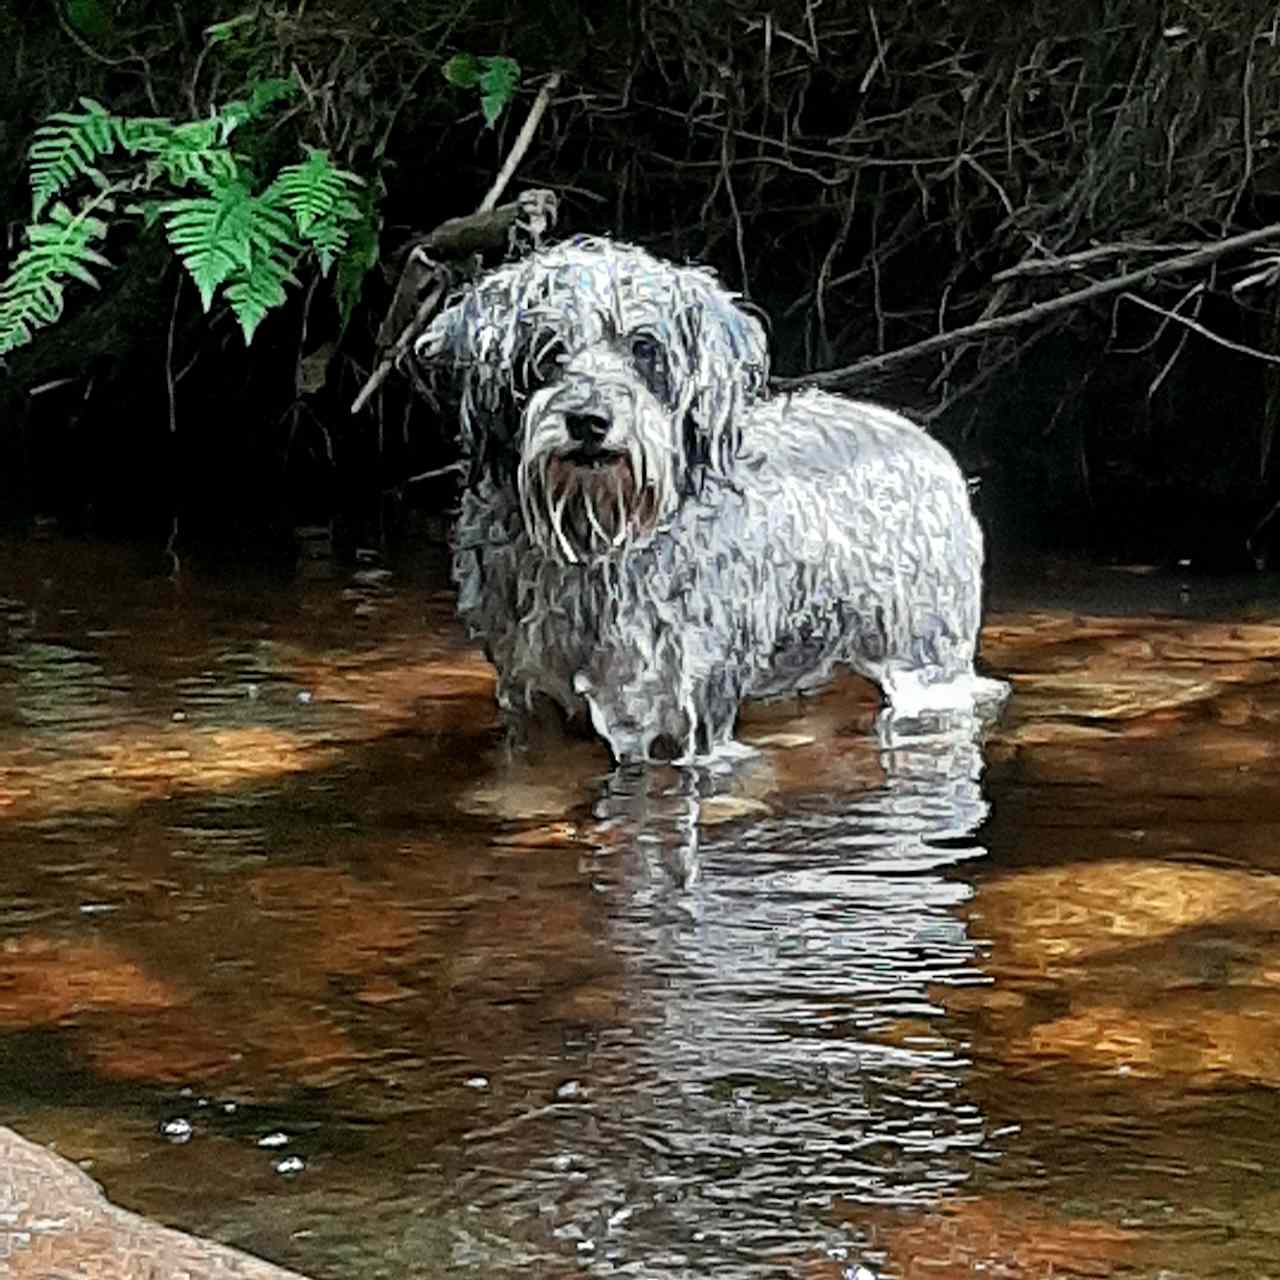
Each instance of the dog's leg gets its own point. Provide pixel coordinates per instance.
(671, 694)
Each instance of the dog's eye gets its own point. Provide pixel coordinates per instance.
(645, 351)
(538, 367)
(650, 359)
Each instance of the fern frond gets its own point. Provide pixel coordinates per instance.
(227, 238)
(263, 94)
(266, 93)
(218, 236)
(237, 240)
(61, 248)
(143, 134)
(330, 235)
(195, 152)
(314, 190)
(256, 291)
(220, 31)
(358, 258)
(261, 286)
(66, 149)
(202, 231)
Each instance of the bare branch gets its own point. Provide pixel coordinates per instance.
(1037, 311)
(459, 237)
(1084, 258)
(1204, 332)
(521, 144)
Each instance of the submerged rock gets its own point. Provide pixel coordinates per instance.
(55, 1221)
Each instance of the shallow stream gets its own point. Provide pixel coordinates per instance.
(292, 954)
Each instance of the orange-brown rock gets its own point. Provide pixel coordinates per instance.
(55, 1222)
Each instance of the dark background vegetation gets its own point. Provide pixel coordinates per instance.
(868, 174)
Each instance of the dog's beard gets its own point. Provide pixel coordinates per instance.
(580, 510)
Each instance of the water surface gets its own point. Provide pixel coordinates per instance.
(292, 954)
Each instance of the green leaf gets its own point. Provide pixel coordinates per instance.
(221, 235)
(266, 93)
(263, 95)
(232, 116)
(202, 235)
(315, 191)
(198, 135)
(220, 31)
(360, 256)
(235, 239)
(143, 134)
(500, 77)
(66, 148)
(233, 243)
(491, 107)
(57, 250)
(90, 18)
(253, 293)
(495, 77)
(463, 70)
(194, 152)
(328, 237)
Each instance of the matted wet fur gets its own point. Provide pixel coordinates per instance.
(648, 537)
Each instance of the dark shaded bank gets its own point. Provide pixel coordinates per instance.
(868, 177)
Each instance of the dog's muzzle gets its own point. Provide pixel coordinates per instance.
(596, 470)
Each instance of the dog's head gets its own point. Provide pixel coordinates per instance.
(601, 381)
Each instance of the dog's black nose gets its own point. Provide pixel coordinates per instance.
(586, 428)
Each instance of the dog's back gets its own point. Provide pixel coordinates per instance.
(858, 530)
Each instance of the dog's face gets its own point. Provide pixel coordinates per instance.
(603, 383)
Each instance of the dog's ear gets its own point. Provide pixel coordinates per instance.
(727, 360)
(439, 343)
(464, 356)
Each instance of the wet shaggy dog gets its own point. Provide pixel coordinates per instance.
(648, 536)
